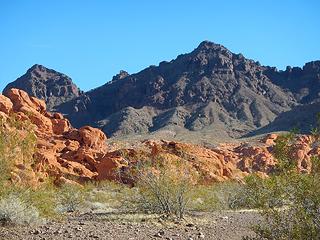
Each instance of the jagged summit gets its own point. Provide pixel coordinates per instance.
(122, 74)
(38, 67)
(208, 45)
(47, 84)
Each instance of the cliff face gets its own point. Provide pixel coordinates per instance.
(46, 84)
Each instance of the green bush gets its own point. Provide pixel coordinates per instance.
(217, 196)
(289, 201)
(17, 144)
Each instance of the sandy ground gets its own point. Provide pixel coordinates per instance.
(216, 225)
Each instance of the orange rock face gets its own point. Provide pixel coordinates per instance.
(62, 151)
(5, 104)
(69, 154)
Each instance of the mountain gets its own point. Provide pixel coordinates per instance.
(210, 87)
(210, 91)
(47, 84)
(304, 82)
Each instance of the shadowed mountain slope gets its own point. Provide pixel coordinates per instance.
(47, 84)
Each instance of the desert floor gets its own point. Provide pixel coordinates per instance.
(215, 225)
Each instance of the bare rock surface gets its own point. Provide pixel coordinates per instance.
(46, 84)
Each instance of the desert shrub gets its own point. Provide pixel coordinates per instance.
(163, 187)
(41, 198)
(216, 196)
(17, 145)
(112, 196)
(15, 211)
(259, 193)
(298, 215)
(289, 201)
(71, 198)
(44, 199)
(281, 152)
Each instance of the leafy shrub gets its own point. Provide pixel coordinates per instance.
(43, 198)
(297, 214)
(289, 201)
(111, 196)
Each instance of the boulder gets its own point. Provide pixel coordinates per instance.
(5, 104)
(92, 137)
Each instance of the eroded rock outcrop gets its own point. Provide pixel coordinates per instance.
(76, 155)
(62, 152)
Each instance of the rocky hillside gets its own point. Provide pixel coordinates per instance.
(210, 90)
(304, 82)
(47, 84)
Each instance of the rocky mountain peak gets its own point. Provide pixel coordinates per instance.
(208, 45)
(37, 67)
(122, 74)
(312, 67)
(46, 84)
(210, 87)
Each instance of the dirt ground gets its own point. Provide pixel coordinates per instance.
(216, 225)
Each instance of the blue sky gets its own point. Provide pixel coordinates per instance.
(92, 40)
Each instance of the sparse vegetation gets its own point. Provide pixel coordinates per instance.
(71, 198)
(289, 201)
(17, 145)
(218, 196)
(163, 188)
(13, 211)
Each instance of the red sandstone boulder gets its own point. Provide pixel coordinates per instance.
(21, 99)
(5, 104)
(60, 126)
(92, 137)
(270, 139)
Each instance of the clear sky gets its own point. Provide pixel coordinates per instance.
(92, 40)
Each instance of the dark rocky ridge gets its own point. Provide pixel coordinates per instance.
(47, 84)
(304, 82)
(210, 89)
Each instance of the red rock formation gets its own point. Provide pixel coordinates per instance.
(69, 154)
(5, 104)
(62, 151)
